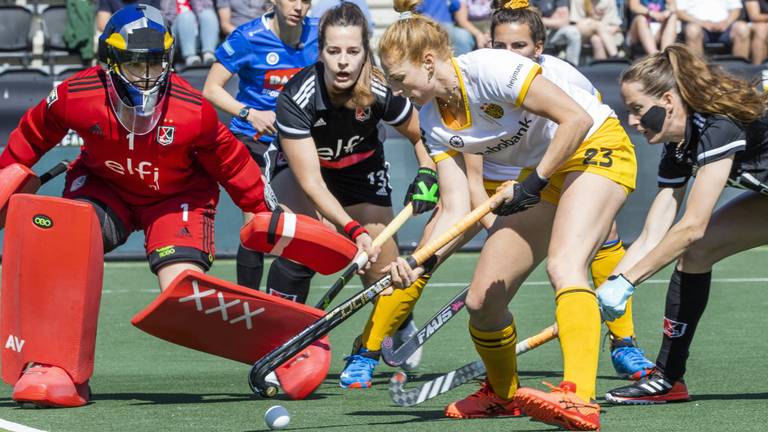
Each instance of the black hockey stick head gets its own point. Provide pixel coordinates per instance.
(257, 379)
(388, 352)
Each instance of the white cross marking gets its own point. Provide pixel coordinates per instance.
(223, 306)
(197, 295)
(247, 315)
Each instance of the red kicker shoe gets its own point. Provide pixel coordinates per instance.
(481, 404)
(49, 386)
(560, 407)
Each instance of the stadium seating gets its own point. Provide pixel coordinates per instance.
(15, 33)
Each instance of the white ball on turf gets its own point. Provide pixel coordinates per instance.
(277, 417)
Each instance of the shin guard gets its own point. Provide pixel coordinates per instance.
(51, 286)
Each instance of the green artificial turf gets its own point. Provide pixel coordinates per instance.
(145, 384)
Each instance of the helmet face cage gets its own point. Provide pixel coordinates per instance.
(137, 51)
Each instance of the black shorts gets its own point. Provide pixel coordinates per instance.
(268, 156)
(364, 182)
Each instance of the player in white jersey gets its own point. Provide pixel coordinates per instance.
(520, 29)
(579, 168)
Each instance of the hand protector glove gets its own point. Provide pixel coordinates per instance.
(526, 195)
(612, 297)
(423, 191)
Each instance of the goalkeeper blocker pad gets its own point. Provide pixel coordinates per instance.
(15, 178)
(51, 286)
(214, 316)
(299, 238)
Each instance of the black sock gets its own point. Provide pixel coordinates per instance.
(407, 321)
(250, 266)
(289, 280)
(687, 297)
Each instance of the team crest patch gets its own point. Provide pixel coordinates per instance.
(493, 110)
(274, 292)
(228, 48)
(273, 58)
(77, 183)
(362, 114)
(165, 135)
(456, 141)
(674, 329)
(53, 96)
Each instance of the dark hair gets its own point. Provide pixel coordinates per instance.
(704, 87)
(508, 12)
(347, 14)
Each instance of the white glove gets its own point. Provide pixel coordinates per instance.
(612, 297)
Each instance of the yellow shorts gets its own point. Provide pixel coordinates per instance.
(608, 153)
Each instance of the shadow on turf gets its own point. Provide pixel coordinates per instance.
(174, 398)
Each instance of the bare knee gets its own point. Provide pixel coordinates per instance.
(740, 31)
(564, 271)
(693, 33)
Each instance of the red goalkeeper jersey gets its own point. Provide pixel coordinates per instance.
(189, 149)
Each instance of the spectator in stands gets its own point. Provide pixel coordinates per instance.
(479, 13)
(234, 13)
(757, 11)
(108, 7)
(599, 23)
(452, 15)
(192, 21)
(654, 24)
(707, 21)
(556, 17)
(319, 8)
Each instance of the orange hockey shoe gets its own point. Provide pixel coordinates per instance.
(49, 386)
(481, 404)
(560, 407)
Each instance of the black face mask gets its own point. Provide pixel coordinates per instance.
(653, 119)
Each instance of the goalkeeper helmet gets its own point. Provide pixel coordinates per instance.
(136, 49)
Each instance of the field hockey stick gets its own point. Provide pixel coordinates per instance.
(403, 352)
(57, 169)
(361, 259)
(321, 327)
(451, 380)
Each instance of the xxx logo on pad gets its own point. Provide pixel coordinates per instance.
(223, 306)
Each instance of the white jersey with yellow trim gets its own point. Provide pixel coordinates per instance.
(553, 69)
(494, 84)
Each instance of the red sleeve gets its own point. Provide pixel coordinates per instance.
(228, 161)
(39, 130)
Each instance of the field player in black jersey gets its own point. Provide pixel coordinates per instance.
(716, 130)
(328, 118)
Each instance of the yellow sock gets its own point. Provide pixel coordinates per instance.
(578, 324)
(390, 312)
(606, 259)
(497, 349)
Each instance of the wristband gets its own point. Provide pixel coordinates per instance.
(353, 229)
(533, 184)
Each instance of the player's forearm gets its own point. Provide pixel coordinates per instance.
(324, 201)
(568, 137)
(678, 239)
(222, 99)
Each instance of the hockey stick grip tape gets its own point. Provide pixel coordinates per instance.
(393, 226)
(57, 169)
(538, 339)
(421, 255)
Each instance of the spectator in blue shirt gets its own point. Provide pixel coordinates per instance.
(319, 8)
(453, 16)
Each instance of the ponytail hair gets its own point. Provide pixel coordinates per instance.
(348, 14)
(704, 87)
(518, 11)
(412, 35)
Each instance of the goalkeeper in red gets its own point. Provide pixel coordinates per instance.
(154, 153)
